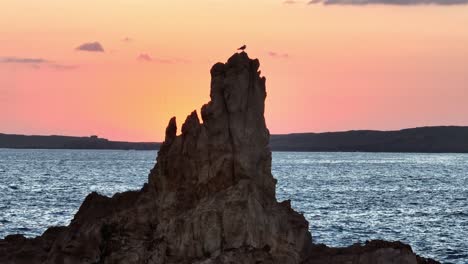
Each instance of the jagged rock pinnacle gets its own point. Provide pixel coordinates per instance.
(220, 171)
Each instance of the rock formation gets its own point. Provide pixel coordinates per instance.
(209, 199)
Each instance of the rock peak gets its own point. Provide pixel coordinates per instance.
(239, 58)
(232, 141)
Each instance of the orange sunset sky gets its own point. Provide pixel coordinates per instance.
(329, 67)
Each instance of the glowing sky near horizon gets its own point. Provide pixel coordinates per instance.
(328, 67)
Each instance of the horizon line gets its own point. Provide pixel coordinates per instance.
(272, 134)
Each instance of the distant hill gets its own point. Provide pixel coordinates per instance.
(423, 139)
(66, 142)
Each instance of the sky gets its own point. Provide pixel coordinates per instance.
(120, 69)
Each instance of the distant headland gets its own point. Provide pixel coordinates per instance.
(69, 142)
(436, 139)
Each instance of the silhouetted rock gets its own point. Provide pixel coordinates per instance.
(372, 252)
(209, 199)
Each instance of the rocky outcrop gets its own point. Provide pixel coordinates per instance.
(209, 199)
(372, 252)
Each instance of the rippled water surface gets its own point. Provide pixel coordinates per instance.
(421, 199)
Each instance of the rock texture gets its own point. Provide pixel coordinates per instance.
(209, 199)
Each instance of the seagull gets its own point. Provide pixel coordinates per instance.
(242, 48)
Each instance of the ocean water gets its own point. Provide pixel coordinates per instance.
(421, 199)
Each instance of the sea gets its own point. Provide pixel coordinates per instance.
(420, 199)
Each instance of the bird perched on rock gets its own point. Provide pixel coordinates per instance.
(242, 48)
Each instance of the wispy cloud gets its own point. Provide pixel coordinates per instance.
(389, 2)
(291, 2)
(63, 67)
(278, 55)
(145, 57)
(91, 46)
(163, 60)
(23, 60)
(36, 63)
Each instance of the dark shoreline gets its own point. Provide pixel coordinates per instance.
(292, 151)
(70, 142)
(437, 139)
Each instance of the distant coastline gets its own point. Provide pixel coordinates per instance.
(69, 142)
(437, 139)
